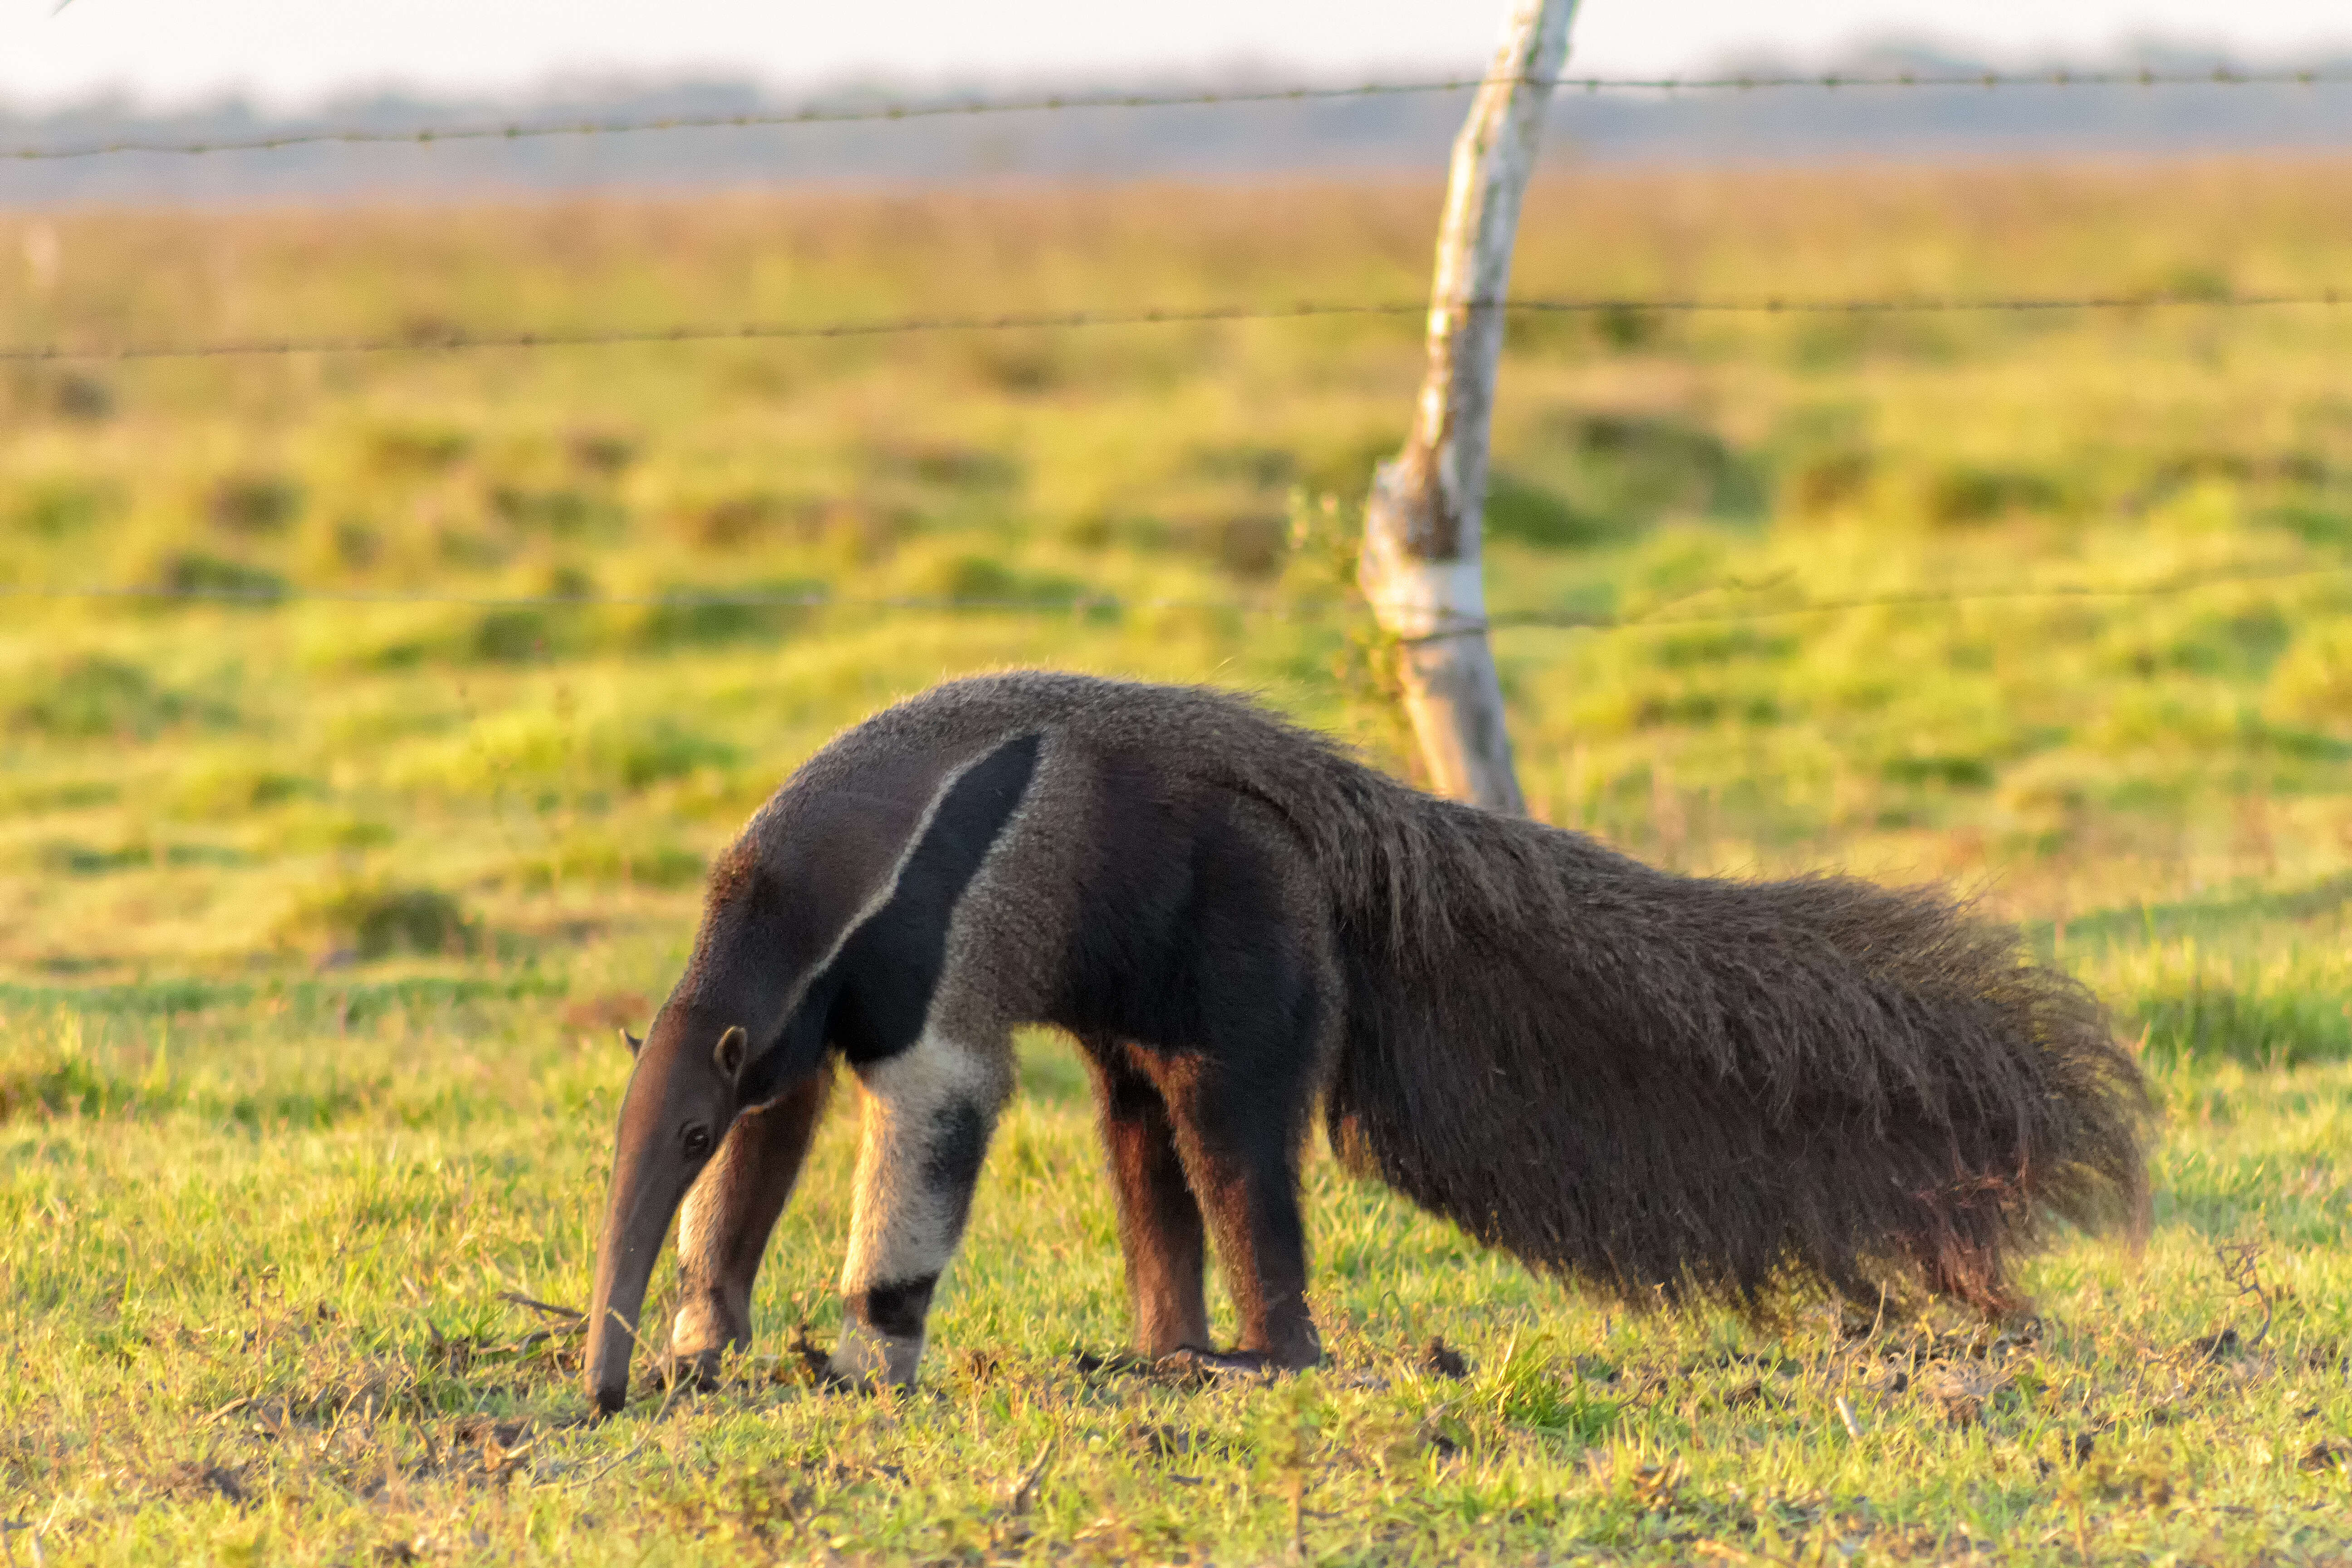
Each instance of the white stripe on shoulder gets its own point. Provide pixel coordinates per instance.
(888, 887)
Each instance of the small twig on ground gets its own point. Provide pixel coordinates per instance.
(609, 1465)
(39, 1559)
(1745, 1553)
(337, 1424)
(1845, 1414)
(544, 1309)
(1024, 1491)
(2241, 1267)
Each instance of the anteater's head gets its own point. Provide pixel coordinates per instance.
(682, 1098)
(724, 1043)
(769, 990)
(696, 1072)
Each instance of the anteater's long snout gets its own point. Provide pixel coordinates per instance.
(650, 1178)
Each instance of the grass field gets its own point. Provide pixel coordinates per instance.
(317, 919)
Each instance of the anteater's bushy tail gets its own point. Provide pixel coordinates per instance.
(1674, 1087)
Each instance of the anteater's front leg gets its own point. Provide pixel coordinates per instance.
(1160, 1232)
(929, 1109)
(724, 1228)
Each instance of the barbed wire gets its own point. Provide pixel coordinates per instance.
(1910, 598)
(441, 339)
(856, 114)
(274, 593)
(1109, 605)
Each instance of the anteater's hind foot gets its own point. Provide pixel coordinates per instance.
(1237, 1157)
(1225, 1367)
(1160, 1233)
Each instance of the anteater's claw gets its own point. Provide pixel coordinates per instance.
(694, 1373)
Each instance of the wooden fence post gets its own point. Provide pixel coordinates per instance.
(1419, 564)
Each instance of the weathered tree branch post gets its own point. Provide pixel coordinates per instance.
(1420, 566)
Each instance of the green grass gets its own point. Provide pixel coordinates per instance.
(317, 920)
(257, 1270)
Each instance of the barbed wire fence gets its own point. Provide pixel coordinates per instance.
(443, 339)
(884, 112)
(1109, 605)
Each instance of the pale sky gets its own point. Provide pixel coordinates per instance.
(295, 50)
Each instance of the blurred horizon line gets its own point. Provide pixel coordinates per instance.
(1403, 134)
(1890, 49)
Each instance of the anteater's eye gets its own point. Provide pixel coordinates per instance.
(698, 1142)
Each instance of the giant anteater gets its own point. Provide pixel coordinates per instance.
(1667, 1086)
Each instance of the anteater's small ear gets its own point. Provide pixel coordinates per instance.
(731, 1050)
(630, 1040)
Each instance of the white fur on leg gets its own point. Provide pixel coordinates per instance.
(901, 1227)
(904, 1225)
(701, 1324)
(696, 1328)
(699, 1238)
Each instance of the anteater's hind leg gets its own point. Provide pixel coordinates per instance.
(1159, 1229)
(724, 1228)
(1236, 1132)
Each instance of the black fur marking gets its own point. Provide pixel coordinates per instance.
(799, 1048)
(890, 966)
(958, 1144)
(871, 1001)
(898, 1309)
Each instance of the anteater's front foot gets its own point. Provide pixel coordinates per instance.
(689, 1373)
(704, 1332)
(868, 1360)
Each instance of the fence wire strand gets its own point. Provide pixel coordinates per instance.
(1109, 605)
(439, 340)
(868, 114)
(1087, 603)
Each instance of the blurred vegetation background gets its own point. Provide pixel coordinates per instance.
(256, 788)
